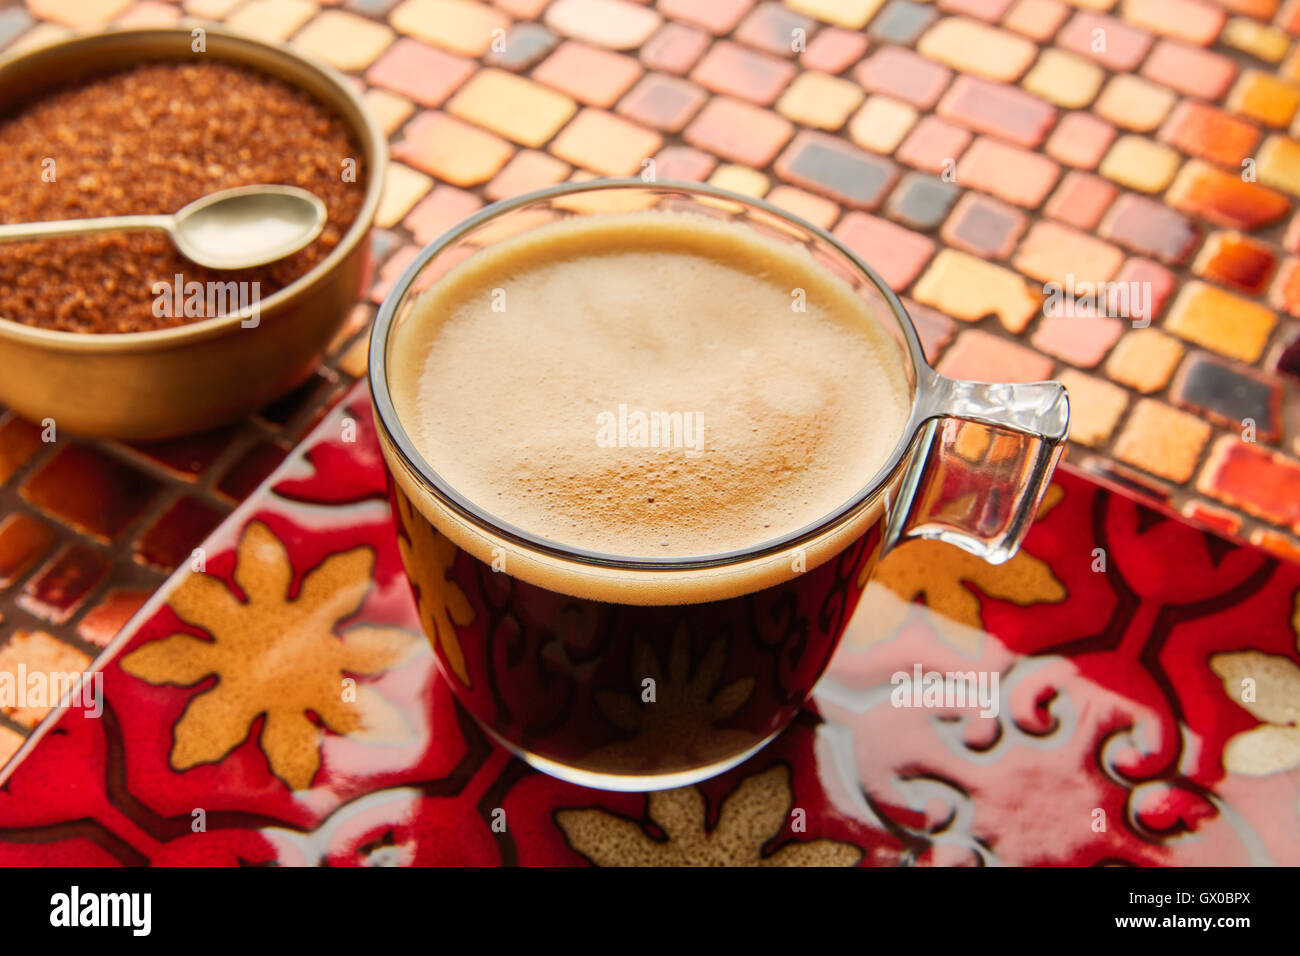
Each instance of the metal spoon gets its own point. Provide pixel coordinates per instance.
(229, 229)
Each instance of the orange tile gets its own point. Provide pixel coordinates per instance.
(527, 171)
(77, 13)
(1134, 103)
(1162, 440)
(1095, 407)
(981, 356)
(817, 210)
(37, 651)
(344, 40)
(513, 106)
(1219, 320)
(820, 101)
(450, 149)
(970, 46)
(1144, 360)
(605, 144)
(739, 131)
(1008, 172)
(1055, 253)
(589, 74)
(462, 26)
(1264, 98)
(615, 24)
(968, 288)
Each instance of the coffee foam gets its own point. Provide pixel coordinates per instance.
(651, 312)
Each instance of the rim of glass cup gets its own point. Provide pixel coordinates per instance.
(921, 382)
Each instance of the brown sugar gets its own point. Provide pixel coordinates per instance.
(150, 140)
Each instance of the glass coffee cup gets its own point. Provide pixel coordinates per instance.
(628, 672)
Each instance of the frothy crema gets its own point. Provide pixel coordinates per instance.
(649, 385)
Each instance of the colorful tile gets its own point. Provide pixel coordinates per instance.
(616, 24)
(820, 100)
(1238, 261)
(20, 440)
(1003, 111)
(58, 590)
(1190, 70)
(1095, 407)
(920, 201)
(1221, 321)
(1264, 98)
(344, 40)
(902, 22)
(1208, 132)
(934, 329)
(180, 529)
(833, 50)
(683, 162)
(1162, 440)
(1080, 140)
(1111, 42)
(1144, 360)
(454, 151)
(970, 46)
(1257, 480)
(273, 20)
(1080, 337)
(106, 619)
(1008, 172)
(777, 29)
(897, 254)
(90, 491)
(1264, 42)
(1136, 162)
(1064, 78)
(1225, 198)
(37, 652)
(1055, 253)
(1037, 19)
(675, 48)
(24, 540)
(934, 146)
(739, 131)
(816, 209)
(403, 188)
(513, 106)
(605, 143)
(1080, 200)
(902, 74)
(882, 123)
(968, 288)
(1141, 290)
(443, 208)
(743, 180)
(1150, 228)
(718, 16)
(461, 26)
(1234, 396)
(824, 164)
(985, 226)
(1285, 294)
(528, 170)
(390, 110)
(1279, 163)
(1189, 20)
(663, 102)
(591, 75)
(981, 356)
(851, 14)
(734, 70)
(525, 46)
(1134, 103)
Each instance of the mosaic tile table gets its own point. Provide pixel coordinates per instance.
(1121, 735)
(971, 149)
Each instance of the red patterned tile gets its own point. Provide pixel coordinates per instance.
(1004, 111)
(905, 75)
(1008, 172)
(896, 253)
(58, 590)
(92, 492)
(24, 540)
(1260, 482)
(826, 164)
(176, 532)
(733, 70)
(739, 131)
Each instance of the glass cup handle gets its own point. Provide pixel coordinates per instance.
(982, 458)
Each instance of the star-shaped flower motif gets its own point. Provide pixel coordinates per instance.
(750, 818)
(442, 605)
(1273, 746)
(275, 657)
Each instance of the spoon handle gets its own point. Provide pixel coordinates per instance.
(14, 232)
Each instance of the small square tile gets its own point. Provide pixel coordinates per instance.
(1138, 163)
(344, 40)
(902, 21)
(443, 208)
(1003, 111)
(1234, 396)
(94, 493)
(589, 74)
(605, 143)
(1008, 172)
(904, 75)
(774, 28)
(106, 619)
(1225, 198)
(819, 100)
(390, 109)
(1190, 70)
(1134, 103)
(1144, 360)
(37, 651)
(985, 226)
(525, 46)
(1285, 294)
(739, 131)
(968, 288)
(1064, 78)
(934, 146)
(1221, 321)
(824, 164)
(897, 254)
(20, 440)
(452, 150)
(740, 179)
(733, 70)
(1267, 43)
(684, 163)
(513, 106)
(1238, 261)
(717, 16)
(1080, 337)
(881, 124)
(933, 328)
(272, 20)
(1141, 290)
(981, 356)
(1162, 440)
(527, 171)
(1080, 140)
(1095, 407)
(1264, 98)
(833, 50)
(1080, 200)
(403, 188)
(674, 49)
(188, 457)
(24, 540)
(1260, 482)
(970, 46)
(1055, 253)
(58, 590)
(461, 26)
(1190, 20)
(176, 532)
(251, 469)
(1202, 130)
(920, 201)
(816, 209)
(1111, 42)
(1279, 163)
(1037, 19)
(1150, 228)
(423, 73)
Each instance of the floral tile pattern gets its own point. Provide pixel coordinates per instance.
(279, 706)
